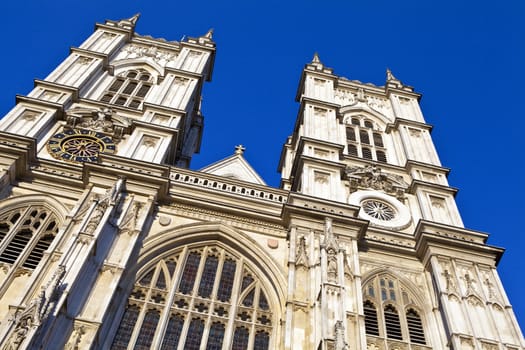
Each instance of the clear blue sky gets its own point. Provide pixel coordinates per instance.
(465, 57)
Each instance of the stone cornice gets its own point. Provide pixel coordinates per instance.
(441, 188)
(21, 150)
(49, 84)
(144, 178)
(398, 121)
(88, 53)
(31, 100)
(411, 164)
(436, 239)
(311, 211)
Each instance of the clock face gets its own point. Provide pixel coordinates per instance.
(79, 145)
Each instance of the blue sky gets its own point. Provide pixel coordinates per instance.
(465, 57)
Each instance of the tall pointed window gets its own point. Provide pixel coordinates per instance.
(128, 89)
(363, 140)
(25, 234)
(390, 315)
(205, 298)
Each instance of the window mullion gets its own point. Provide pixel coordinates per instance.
(230, 327)
(9, 236)
(144, 308)
(34, 240)
(166, 310)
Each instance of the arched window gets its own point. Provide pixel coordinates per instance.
(25, 234)
(128, 89)
(360, 132)
(415, 327)
(198, 298)
(389, 313)
(371, 325)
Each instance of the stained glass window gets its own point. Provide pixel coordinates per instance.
(190, 272)
(208, 276)
(194, 337)
(161, 280)
(226, 284)
(215, 337)
(248, 300)
(199, 317)
(173, 331)
(147, 331)
(125, 328)
(262, 340)
(241, 338)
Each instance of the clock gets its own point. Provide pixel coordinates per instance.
(79, 145)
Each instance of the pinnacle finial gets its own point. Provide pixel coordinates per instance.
(389, 75)
(209, 34)
(134, 18)
(239, 149)
(316, 59)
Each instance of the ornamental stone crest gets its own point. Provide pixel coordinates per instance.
(153, 52)
(372, 177)
(101, 120)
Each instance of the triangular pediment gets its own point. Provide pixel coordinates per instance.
(235, 167)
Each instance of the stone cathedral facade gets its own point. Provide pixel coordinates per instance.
(109, 241)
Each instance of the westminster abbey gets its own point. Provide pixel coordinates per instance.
(109, 241)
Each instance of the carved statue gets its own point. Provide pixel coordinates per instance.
(371, 176)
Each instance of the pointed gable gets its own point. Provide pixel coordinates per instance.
(234, 166)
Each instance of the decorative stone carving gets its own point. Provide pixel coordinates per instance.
(164, 220)
(37, 310)
(340, 343)
(449, 281)
(74, 340)
(112, 196)
(361, 95)
(349, 275)
(129, 223)
(100, 120)
(153, 52)
(301, 257)
(372, 346)
(469, 284)
(346, 97)
(84, 60)
(380, 105)
(331, 246)
(490, 288)
(321, 178)
(372, 176)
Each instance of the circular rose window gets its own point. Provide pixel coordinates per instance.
(381, 209)
(378, 210)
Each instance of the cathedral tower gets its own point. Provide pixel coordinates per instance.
(109, 241)
(375, 230)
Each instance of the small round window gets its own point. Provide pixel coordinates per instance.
(378, 210)
(381, 209)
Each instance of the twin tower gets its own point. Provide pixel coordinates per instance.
(109, 241)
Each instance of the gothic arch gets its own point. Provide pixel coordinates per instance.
(393, 308)
(406, 283)
(350, 111)
(48, 202)
(166, 241)
(152, 67)
(191, 306)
